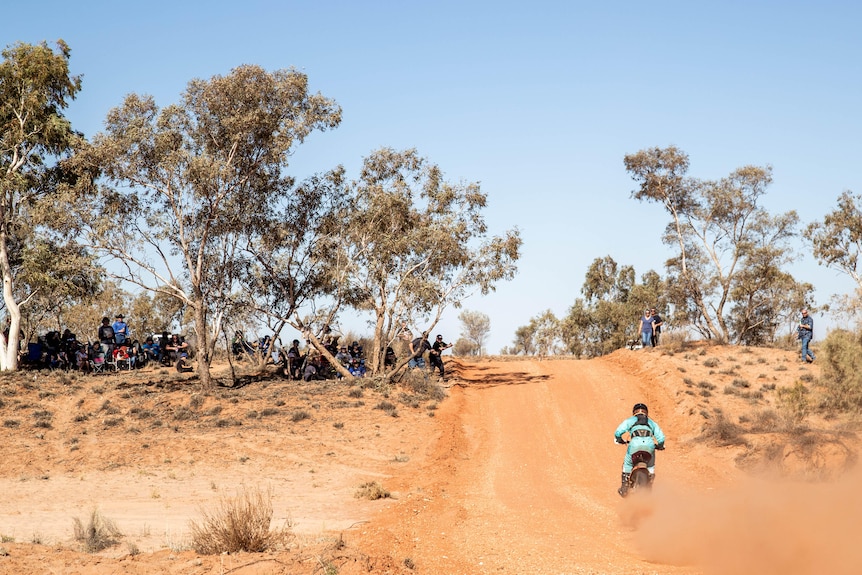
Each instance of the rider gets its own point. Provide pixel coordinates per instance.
(644, 435)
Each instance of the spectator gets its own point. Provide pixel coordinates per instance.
(805, 332)
(646, 329)
(418, 347)
(106, 336)
(357, 368)
(389, 358)
(82, 359)
(343, 357)
(436, 354)
(356, 351)
(294, 361)
(312, 369)
(164, 349)
(121, 329)
(150, 350)
(657, 323)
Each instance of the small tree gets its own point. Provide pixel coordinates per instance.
(475, 327)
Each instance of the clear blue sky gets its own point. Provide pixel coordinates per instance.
(538, 101)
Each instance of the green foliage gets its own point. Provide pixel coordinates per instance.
(182, 180)
(726, 279)
(608, 318)
(35, 88)
(837, 240)
(841, 372)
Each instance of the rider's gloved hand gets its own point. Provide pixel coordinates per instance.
(660, 447)
(619, 441)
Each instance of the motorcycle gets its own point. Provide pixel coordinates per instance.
(639, 478)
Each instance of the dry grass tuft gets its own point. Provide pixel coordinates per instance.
(241, 523)
(99, 533)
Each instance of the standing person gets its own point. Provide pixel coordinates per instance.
(121, 329)
(436, 354)
(644, 435)
(647, 329)
(656, 323)
(294, 361)
(805, 331)
(418, 347)
(106, 337)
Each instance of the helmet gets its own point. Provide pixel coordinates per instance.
(640, 408)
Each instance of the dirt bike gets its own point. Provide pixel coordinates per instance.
(639, 478)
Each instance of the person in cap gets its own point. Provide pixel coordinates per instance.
(435, 356)
(121, 329)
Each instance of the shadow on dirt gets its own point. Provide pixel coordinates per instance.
(480, 376)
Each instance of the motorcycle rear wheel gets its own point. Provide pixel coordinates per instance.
(640, 479)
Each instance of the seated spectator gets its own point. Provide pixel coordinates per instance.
(150, 350)
(179, 351)
(82, 359)
(312, 369)
(121, 355)
(356, 350)
(343, 357)
(54, 356)
(357, 368)
(164, 349)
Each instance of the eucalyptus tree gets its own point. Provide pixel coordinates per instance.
(35, 88)
(606, 318)
(475, 327)
(837, 239)
(186, 185)
(718, 229)
(413, 244)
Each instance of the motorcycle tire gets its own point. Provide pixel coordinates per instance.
(640, 480)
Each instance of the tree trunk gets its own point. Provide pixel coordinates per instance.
(203, 345)
(9, 351)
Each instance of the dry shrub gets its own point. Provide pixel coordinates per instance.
(241, 523)
(723, 432)
(841, 376)
(99, 533)
(371, 490)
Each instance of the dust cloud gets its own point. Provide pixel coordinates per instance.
(753, 528)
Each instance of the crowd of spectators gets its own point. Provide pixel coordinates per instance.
(113, 348)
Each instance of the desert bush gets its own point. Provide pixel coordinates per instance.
(841, 375)
(99, 533)
(371, 490)
(711, 362)
(794, 402)
(299, 415)
(721, 431)
(240, 523)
